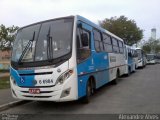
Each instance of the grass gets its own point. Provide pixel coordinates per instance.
(4, 82)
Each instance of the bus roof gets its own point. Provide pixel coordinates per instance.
(138, 48)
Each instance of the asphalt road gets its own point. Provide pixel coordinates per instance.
(6, 96)
(138, 94)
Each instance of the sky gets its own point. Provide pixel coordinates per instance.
(24, 12)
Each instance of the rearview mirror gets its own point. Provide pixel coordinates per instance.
(80, 25)
(85, 39)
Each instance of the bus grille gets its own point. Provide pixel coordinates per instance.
(36, 96)
(40, 91)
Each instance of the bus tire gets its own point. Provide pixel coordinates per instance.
(86, 99)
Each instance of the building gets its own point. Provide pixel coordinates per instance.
(153, 33)
(5, 60)
(5, 55)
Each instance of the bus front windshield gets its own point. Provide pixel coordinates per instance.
(43, 41)
(150, 57)
(139, 53)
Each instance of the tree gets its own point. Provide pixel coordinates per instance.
(7, 36)
(147, 48)
(123, 28)
(151, 46)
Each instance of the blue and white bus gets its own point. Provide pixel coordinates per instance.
(64, 59)
(130, 60)
(135, 57)
(141, 58)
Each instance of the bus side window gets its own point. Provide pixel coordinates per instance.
(115, 45)
(85, 40)
(98, 40)
(130, 52)
(120, 46)
(83, 44)
(107, 43)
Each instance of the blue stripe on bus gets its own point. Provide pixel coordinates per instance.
(101, 77)
(21, 81)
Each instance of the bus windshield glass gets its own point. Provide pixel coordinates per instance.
(139, 52)
(150, 57)
(43, 41)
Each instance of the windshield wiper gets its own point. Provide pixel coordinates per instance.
(26, 48)
(49, 46)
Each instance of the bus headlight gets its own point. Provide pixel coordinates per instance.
(140, 61)
(64, 76)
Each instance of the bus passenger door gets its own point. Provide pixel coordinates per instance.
(85, 65)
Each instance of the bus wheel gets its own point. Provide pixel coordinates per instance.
(86, 99)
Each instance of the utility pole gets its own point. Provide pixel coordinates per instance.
(153, 38)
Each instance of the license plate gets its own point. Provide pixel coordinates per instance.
(34, 91)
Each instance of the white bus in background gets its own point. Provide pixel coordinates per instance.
(151, 58)
(141, 58)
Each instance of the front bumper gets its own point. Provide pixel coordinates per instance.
(53, 93)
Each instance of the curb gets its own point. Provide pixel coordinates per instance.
(12, 104)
